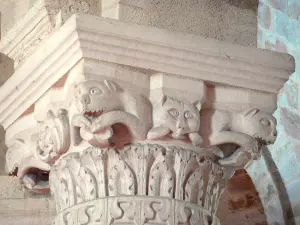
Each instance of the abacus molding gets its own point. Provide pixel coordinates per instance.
(94, 38)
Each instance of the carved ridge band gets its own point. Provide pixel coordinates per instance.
(137, 210)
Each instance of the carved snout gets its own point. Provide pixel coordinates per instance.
(85, 99)
(181, 126)
(82, 101)
(274, 136)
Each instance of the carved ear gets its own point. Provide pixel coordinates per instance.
(163, 99)
(112, 86)
(251, 112)
(197, 104)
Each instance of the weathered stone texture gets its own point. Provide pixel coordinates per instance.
(20, 207)
(283, 35)
(227, 21)
(12, 11)
(264, 14)
(27, 211)
(231, 21)
(294, 9)
(277, 4)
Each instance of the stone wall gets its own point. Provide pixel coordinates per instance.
(18, 207)
(12, 11)
(232, 21)
(279, 30)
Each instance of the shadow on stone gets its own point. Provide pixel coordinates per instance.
(6, 68)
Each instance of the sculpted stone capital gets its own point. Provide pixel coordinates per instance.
(103, 114)
(117, 183)
(130, 128)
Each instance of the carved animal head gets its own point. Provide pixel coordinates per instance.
(22, 162)
(92, 98)
(261, 125)
(181, 117)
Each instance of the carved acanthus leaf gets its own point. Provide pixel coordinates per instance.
(161, 180)
(54, 136)
(121, 179)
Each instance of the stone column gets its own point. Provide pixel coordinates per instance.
(128, 124)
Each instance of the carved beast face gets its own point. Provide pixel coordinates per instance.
(92, 98)
(261, 125)
(181, 117)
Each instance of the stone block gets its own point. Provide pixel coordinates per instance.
(6, 68)
(27, 211)
(260, 37)
(12, 11)
(264, 15)
(288, 96)
(277, 4)
(294, 9)
(69, 7)
(125, 10)
(270, 40)
(176, 87)
(10, 188)
(132, 11)
(286, 28)
(269, 45)
(281, 46)
(290, 122)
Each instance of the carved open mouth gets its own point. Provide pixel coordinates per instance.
(93, 114)
(34, 179)
(37, 180)
(13, 172)
(264, 142)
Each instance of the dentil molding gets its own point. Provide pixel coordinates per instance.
(128, 124)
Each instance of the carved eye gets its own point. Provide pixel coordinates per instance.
(265, 122)
(188, 115)
(95, 91)
(173, 112)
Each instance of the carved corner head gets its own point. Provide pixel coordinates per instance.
(95, 97)
(15, 155)
(102, 106)
(22, 162)
(260, 125)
